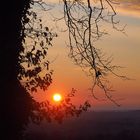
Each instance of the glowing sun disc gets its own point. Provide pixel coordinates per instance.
(57, 97)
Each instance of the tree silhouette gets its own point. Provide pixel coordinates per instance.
(32, 58)
(33, 62)
(84, 20)
(23, 63)
(17, 105)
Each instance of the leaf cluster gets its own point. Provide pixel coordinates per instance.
(34, 69)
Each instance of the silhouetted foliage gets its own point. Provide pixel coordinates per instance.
(24, 61)
(17, 105)
(50, 112)
(33, 62)
(32, 58)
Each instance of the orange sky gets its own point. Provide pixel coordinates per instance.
(125, 50)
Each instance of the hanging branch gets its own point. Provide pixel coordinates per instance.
(83, 19)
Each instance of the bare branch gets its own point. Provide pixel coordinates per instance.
(83, 19)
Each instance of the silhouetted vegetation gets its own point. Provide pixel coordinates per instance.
(17, 105)
(84, 20)
(21, 63)
(33, 57)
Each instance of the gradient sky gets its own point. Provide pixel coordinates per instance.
(125, 50)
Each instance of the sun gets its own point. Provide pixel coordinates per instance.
(57, 97)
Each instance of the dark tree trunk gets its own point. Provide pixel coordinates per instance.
(15, 101)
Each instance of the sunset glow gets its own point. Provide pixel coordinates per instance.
(124, 49)
(57, 97)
